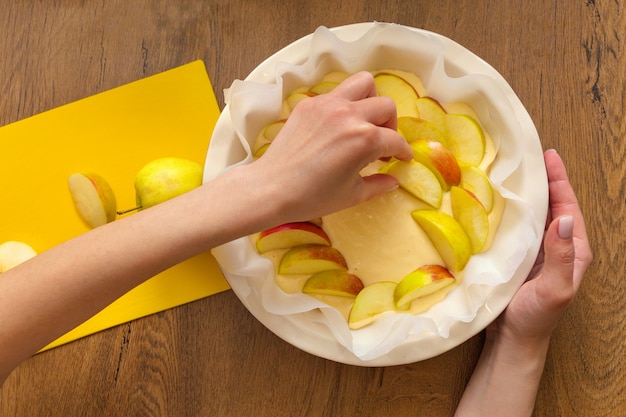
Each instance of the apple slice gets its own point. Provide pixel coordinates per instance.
(334, 282)
(310, 259)
(273, 129)
(439, 159)
(471, 215)
(476, 181)
(371, 302)
(431, 110)
(261, 150)
(294, 98)
(399, 90)
(447, 236)
(289, 235)
(13, 253)
(414, 128)
(466, 138)
(323, 87)
(423, 281)
(93, 198)
(417, 179)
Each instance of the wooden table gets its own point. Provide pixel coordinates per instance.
(565, 59)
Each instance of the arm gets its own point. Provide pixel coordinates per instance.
(509, 370)
(310, 170)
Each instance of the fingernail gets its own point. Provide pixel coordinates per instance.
(566, 227)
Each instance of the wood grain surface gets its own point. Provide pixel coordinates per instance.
(565, 59)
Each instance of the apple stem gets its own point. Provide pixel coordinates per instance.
(128, 210)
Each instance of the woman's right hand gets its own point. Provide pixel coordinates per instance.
(315, 162)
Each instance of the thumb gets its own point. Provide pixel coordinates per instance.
(558, 270)
(376, 184)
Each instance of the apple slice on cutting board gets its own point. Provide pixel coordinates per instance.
(13, 253)
(93, 198)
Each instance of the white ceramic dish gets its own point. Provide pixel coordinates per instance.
(305, 330)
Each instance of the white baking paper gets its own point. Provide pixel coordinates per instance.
(252, 105)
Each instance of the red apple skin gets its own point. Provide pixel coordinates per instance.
(437, 272)
(289, 235)
(441, 158)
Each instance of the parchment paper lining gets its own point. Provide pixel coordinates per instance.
(253, 105)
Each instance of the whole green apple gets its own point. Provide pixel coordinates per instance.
(165, 178)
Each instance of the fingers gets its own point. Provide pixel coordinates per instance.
(360, 88)
(394, 145)
(356, 87)
(377, 184)
(562, 198)
(559, 262)
(566, 243)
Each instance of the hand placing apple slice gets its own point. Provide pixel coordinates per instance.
(289, 235)
(310, 259)
(471, 215)
(399, 90)
(371, 302)
(414, 128)
(447, 236)
(416, 179)
(439, 159)
(476, 181)
(13, 253)
(423, 281)
(465, 138)
(93, 198)
(334, 282)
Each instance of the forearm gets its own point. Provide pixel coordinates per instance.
(42, 299)
(506, 379)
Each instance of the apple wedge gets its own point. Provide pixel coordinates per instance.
(399, 90)
(476, 181)
(273, 129)
(466, 138)
(417, 179)
(439, 159)
(371, 302)
(431, 110)
(471, 215)
(310, 259)
(289, 235)
(13, 253)
(93, 198)
(294, 98)
(334, 282)
(423, 281)
(447, 236)
(323, 87)
(414, 128)
(261, 150)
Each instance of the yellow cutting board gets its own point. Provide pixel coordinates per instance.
(114, 134)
